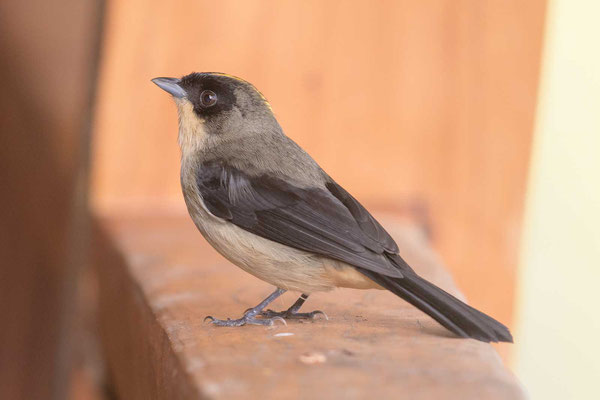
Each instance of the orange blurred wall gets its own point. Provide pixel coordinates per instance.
(427, 102)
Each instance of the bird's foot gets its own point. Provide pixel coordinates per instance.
(249, 318)
(291, 314)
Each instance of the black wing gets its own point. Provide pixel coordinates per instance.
(327, 221)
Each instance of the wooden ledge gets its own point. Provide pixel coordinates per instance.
(158, 280)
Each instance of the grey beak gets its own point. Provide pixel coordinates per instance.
(171, 86)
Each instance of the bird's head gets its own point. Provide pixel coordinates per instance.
(215, 107)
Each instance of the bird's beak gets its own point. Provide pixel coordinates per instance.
(171, 86)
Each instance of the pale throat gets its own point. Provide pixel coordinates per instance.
(192, 134)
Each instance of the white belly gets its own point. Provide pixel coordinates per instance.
(272, 262)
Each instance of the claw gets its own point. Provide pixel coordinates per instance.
(278, 319)
(270, 314)
(319, 312)
(245, 320)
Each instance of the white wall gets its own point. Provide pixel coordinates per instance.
(557, 350)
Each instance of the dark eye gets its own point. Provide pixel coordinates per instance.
(208, 98)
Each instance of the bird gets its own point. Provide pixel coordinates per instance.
(266, 205)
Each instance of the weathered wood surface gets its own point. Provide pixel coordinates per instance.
(159, 279)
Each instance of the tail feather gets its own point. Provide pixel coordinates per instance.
(450, 312)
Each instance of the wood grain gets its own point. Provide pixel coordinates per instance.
(159, 279)
(425, 103)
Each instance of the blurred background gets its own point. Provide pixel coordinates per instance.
(480, 119)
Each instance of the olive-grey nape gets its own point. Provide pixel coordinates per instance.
(267, 206)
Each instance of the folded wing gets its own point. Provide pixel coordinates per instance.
(326, 221)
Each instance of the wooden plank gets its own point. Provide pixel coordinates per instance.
(427, 102)
(159, 279)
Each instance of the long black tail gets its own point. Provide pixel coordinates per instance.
(450, 312)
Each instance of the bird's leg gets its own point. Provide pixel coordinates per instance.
(251, 313)
(292, 312)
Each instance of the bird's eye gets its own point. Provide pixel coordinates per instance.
(208, 98)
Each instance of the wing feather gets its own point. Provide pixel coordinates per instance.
(327, 221)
